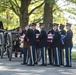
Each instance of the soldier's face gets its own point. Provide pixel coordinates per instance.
(67, 27)
(55, 27)
(41, 27)
(33, 27)
(27, 27)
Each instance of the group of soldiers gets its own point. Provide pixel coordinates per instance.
(53, 42)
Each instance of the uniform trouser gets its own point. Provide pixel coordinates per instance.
(32, 55)
(36, 60)
(43, 55)
(61, 56)
(68, 54)
(56, 55)
(25, 55)
(50, 53)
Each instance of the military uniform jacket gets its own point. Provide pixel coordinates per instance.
(31, 36)
(36, 42)
(57, 39)
(36, 32)
(63, 32)
(43, 38)
(51, 31)
(50, 45)
(68, 39)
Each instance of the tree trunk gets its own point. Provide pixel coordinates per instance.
(24, 18)
(48, 14)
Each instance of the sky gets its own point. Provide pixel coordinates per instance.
(62, 4)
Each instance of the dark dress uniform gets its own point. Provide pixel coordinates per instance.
(68, 47)
(63, 33)
(56, 47)
(31, 37)
(50, 48)
(43, 44)
(36, 44)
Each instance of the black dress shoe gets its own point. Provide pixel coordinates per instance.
(56, 65)
(49, 64)
(52, 64)
(36, 63)
(23, 63)
(20, 56)
(67, 66)
(43, 65)
(61, 64)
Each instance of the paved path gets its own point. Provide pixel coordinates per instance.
(14, 68)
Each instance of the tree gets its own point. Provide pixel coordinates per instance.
(21, 8)
(48, 12)
(37, 15)
(72, 6)
(3, 6)
(42, 10)
(51, 8)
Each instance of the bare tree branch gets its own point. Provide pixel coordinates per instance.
(58, 7)
(13, 7)
(36, 8)
(17, 4)
(39, 19)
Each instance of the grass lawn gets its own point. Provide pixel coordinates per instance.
(74, 55)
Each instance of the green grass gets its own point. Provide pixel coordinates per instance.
(74, 55)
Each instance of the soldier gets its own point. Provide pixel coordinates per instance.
(43, 44)
(56, 45)
(36, 31)
(36, 42)
(63, 33)
(31, 37)
(50, 45)
(68, 45)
